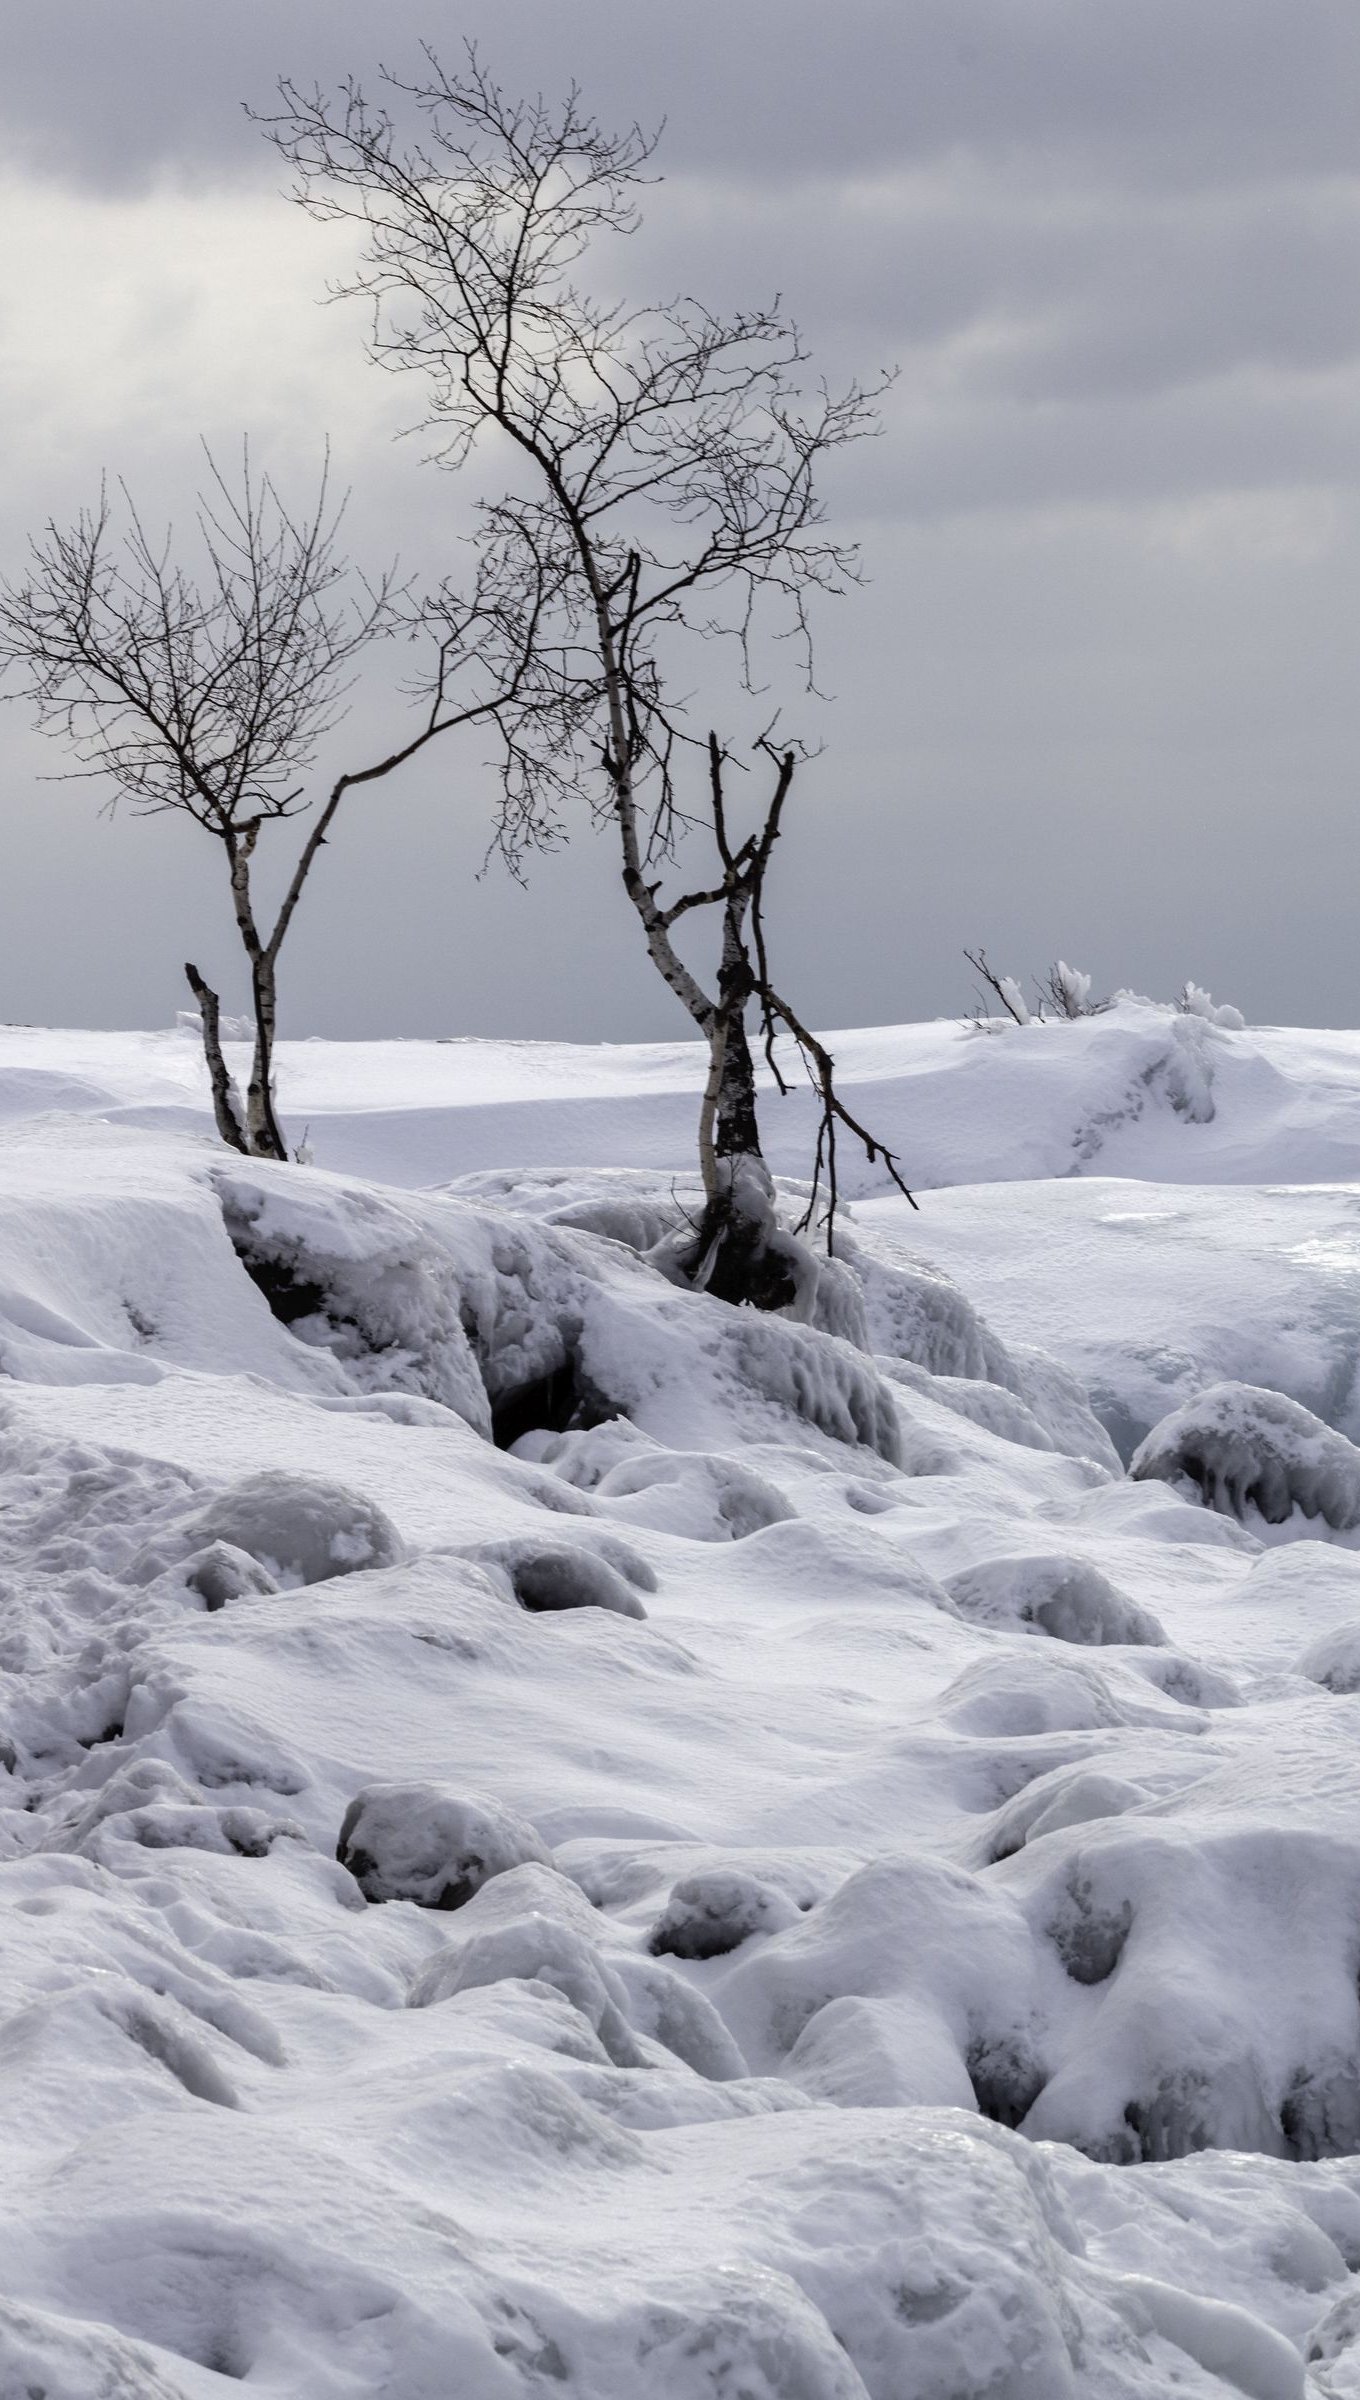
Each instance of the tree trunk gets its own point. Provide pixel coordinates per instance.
(262, 1125)
(732, 1255)
(226, 1104)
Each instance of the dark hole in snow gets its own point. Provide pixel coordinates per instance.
(1166, 2125)
(559, 1402)
(549, 1580)
(113, 1732)
(290, 1298)
(546, 1405)
(927, 2307)
(1320, 2113)
(1090, 1941)
(1006, 2081)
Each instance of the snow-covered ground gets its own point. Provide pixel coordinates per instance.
(556, 1837)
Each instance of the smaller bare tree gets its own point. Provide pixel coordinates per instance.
(209, 693)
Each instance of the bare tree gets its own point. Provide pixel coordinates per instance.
(209, 693)
(666, 463)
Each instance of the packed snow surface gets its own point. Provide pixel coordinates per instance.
(560, 1837)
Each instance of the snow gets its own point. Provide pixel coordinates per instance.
(557, 1836)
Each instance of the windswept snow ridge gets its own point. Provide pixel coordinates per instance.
(559, 1837)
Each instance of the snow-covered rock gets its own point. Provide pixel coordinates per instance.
(1242, 1450)
(427, 1843)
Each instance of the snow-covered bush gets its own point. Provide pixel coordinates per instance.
(1195, 1002)
(1069, 989)
(1241, 1449)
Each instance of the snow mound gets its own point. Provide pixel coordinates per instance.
(1067, 1795)
(915, 1314)
(428, 1843)
(357, 1275)
(299, 1529)
(1242, 1450)
(546, 1578)
(914, 1983)
(533, 1926)
(1068, 1598)
(1334, 1661)
(1221, 1968)
(712, 1912)
(698, 1494)
(46, 2357)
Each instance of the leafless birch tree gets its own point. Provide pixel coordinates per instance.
(208, 693)
(664, 465)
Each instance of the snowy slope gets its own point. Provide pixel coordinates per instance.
(795, 1879)
(1138, 1092)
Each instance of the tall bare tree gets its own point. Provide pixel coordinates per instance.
(207, 692)
(664, 471)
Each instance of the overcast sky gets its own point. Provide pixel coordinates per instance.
(1100, 694)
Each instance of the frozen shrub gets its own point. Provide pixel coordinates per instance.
(1194, 1001)
(1069, 988)
(715, 1911)
(1240, 1448)
(301, 1529)
(428, 1843)
(359, 1275)
(1067, 1598)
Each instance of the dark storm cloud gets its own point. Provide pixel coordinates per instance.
(1112, 523)
(1179, 91)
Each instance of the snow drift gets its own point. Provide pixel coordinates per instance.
(558, 1836)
